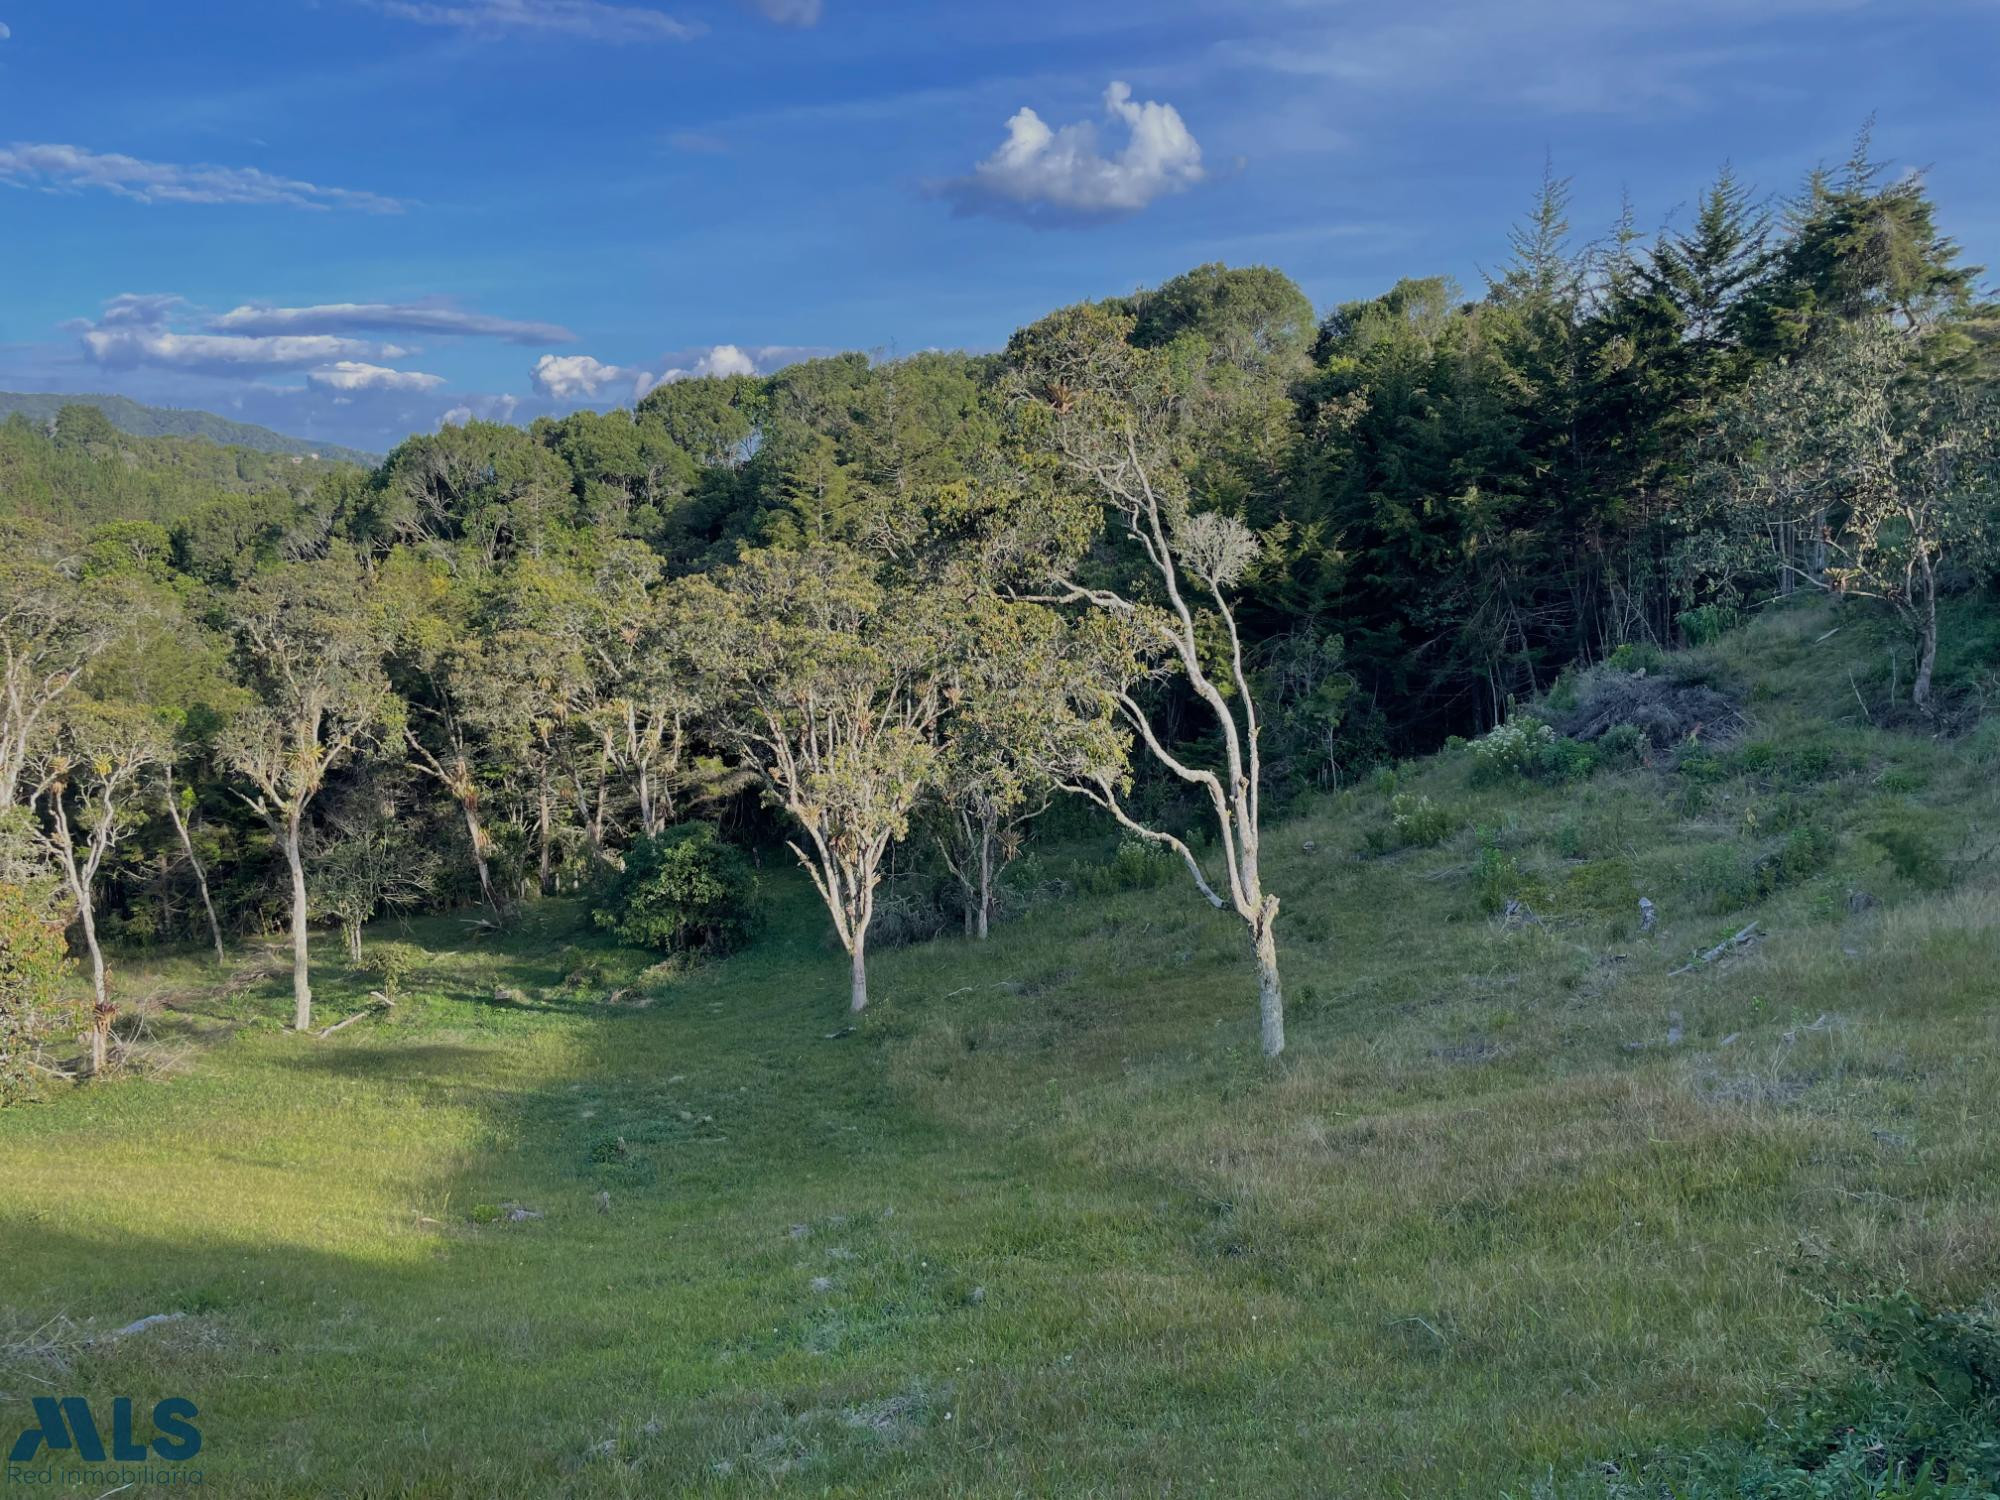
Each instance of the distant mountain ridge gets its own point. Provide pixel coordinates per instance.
(137, 420)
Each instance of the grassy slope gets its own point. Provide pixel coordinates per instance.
(1044, 1224)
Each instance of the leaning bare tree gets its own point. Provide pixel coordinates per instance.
(1121, 424)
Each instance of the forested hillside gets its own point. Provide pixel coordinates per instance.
(1180, 557)
(1394, 900)
(137, 420)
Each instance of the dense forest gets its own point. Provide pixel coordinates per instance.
(1178, 557)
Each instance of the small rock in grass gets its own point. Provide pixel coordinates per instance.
(150, 1322)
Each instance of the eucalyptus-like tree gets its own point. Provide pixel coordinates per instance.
(310, 644)
(52, 627)
(1123, 426)
(89, 774)
(1869, 475)
(829, 685)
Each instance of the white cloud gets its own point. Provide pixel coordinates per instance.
(480, 409)
(788, 12)
(353, 375)
(5, 32)
(571, 377)
(428, 316)
(594, 20)
(1047, 176)
(58, 168)
(579, 377)
(721, 360)
(135, 330)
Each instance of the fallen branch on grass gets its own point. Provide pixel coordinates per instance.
(382, 1002)
(1747, 935)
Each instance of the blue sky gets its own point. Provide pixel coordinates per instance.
(349, 218)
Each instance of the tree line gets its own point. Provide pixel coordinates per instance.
(1169, 554)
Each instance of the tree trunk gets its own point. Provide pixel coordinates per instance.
(200, 875)
(646, 824)
(352, 932)
(542, 827)
(80, 882)
(1270, 997)
(1920, 690)
(479, 860)
(985, 877)
(302, 995)
(101, 1016)
(860, 954)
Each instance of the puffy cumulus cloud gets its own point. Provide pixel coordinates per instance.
(354, 375)
(431, 315)
(572, 377)
(592, 20)
(67, 169)
(135, 330)
(720, 360)
(788, 12)
(579, 377)
(1060, 176)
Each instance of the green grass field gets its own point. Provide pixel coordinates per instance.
(1516, 1199)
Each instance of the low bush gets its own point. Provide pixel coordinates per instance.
(1137, 866)
(1531, 751)
(33, 969)
(1706, 624)
(1913, 1413)
(1913, 857)
(681, 891)
(1420, 822)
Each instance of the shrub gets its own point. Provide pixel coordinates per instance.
(1419, 822)
(1913, 857)
(1699, 766)
(1757, 758)
(1722, 878)
(1533, 751)
(1913, 1415)
(1136, 866)
(1705, 624)
(1637, 656)
(1806, 851)
(395, 962)
(1982, 746)
(681, 891)
(33, 967)
(1496, 876)
(1622, 745)
(1810, 764)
